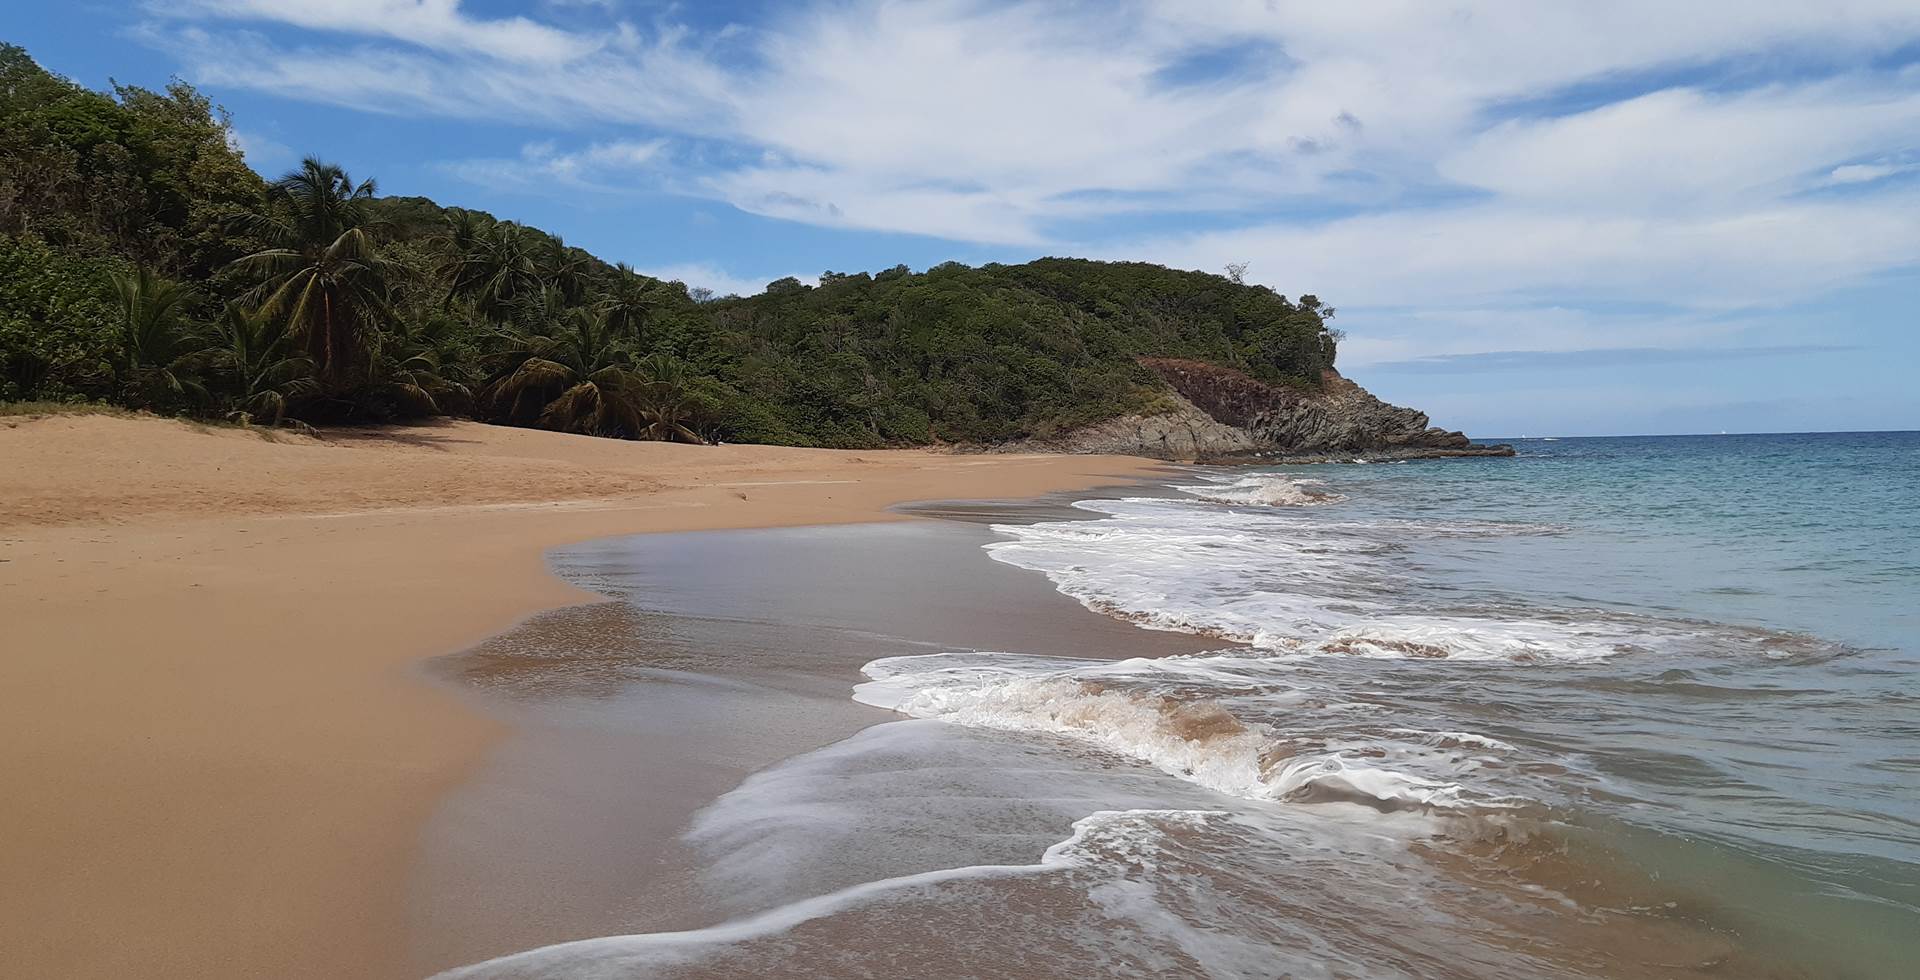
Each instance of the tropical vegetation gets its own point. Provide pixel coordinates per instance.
(144, 264)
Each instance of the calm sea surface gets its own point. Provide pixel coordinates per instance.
(1617, 707)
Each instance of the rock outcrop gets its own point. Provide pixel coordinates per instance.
(1185, 432)
(1221, 413)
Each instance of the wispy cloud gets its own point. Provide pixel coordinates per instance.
(1608, 357)
(1866, 173)
(435, 24)
(622, 76)
(261, 152)
(710, 275)
(1767, 252)
(1461, 157)
(610, 167)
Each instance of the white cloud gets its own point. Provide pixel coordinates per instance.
(437, 24)
(711, 276)
(1766, 253)
(1466, 156)
(261, 152)
(1864, 173)
(608, 167)
(1454, 331)
(623, 78)
(1684, 149)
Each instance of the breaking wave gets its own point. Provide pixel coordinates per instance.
(1283, 580)
(1150, 710)
(1268, 490)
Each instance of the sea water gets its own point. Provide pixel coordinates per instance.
(1613, 707)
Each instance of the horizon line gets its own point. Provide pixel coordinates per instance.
(1680, 435)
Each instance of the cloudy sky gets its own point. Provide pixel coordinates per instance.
(1534, 217)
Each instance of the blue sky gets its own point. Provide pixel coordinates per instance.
(1565, 218)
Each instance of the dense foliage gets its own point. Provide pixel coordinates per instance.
(143, 263)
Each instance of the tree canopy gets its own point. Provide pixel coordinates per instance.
(142, 262)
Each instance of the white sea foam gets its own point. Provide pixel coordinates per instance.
(1284, 580)
(1105, 705)
(1098, 838)
(1173, 887)
(1456, 739)
(1271, 490)
(1333, 777)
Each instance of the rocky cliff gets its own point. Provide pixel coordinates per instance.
(1221, 413)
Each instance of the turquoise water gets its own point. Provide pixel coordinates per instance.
(1783, 787)
(1691, 664)
(1614, 708)
(1812, 532)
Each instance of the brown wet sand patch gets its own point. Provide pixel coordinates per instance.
(725, 653)
(1409, 648)
(1605, 914)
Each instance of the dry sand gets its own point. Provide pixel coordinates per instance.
(215, 751)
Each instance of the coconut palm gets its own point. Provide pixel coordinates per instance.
(567, 269)
(324, 273)
(260, 366)
(490, 263)
(667, 408)
(323, 202)
(629, 304)
(543, 312)
(157, 348)
(565, 370)
(416, 370)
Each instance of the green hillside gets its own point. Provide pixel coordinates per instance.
(142, 263)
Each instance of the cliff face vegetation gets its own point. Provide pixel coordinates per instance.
(144, 264)
(1222, 413)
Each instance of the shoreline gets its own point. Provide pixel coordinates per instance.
(718, 656)
(213, 710)
(754, 868)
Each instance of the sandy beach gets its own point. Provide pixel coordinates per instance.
(217, 746)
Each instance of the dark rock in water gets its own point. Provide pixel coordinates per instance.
(1222, 414)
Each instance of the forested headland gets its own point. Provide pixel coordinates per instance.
(144, 264)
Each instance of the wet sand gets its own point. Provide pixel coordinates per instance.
(723, 653)
(217, 748)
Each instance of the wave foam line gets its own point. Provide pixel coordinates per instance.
(594, 953)
(1271, 490)
(1196, 740)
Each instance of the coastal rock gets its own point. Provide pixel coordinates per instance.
(1183, 433)
(1222, 413)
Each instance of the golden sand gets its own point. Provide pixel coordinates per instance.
(215, 751)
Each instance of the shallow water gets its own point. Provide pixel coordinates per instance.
(1617, 707)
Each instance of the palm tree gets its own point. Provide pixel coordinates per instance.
(629, 304)
(157, 350)
(567, 269)
(489, 262)
(416, 370)
(564, 369)
(257, 359)
(666, 406)
(544, 312)
(323, 273)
